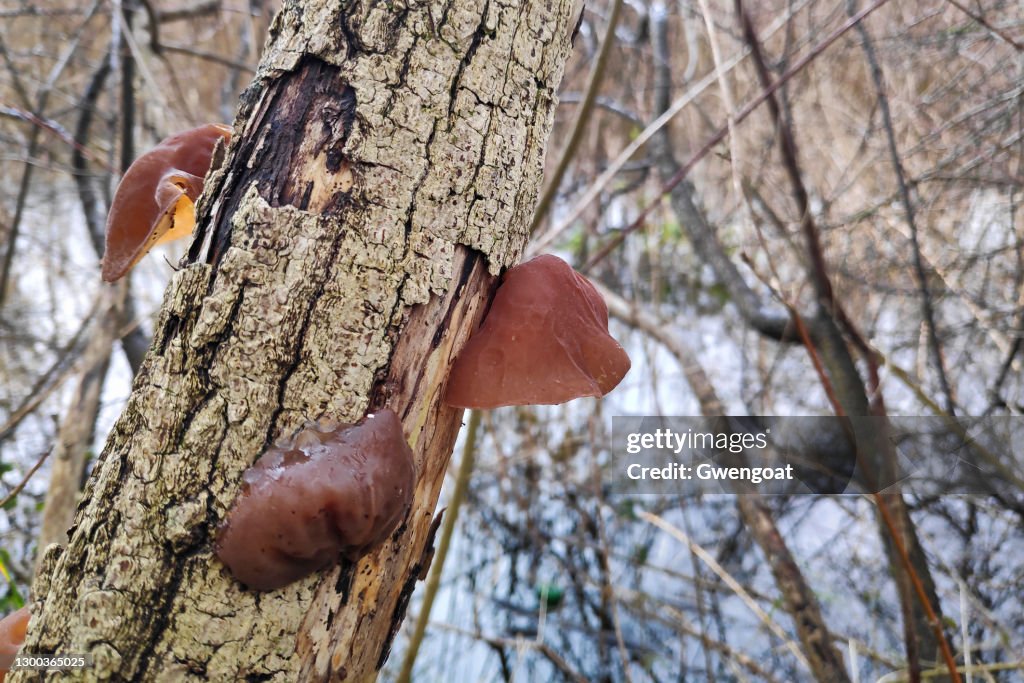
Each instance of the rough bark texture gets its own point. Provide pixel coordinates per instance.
(385, 166)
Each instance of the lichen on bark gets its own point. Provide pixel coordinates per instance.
(385, 165)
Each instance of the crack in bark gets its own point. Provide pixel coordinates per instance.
(467, 58)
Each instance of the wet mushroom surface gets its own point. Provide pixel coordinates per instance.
(330, 490)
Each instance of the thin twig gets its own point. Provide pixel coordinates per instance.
(606, 103)
(208, 56)
(730, 106)
(677, 620)
(649, 132)
(609, 599)
(1005, 474)
(17, 489)
(523, 643)
(53, 127)
(728, 579)
(53, 377)
(965, 631)
(927, 307)
(197, 10)
(1002, 35)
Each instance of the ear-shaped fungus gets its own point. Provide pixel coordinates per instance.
(545, 340)
(329, 490)
(155, 201)
(12, 635)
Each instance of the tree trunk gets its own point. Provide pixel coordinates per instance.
(384, 169)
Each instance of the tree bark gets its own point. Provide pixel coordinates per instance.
(384, 169)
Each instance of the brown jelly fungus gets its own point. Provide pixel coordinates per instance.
(12, 634)
(330, 490)
(544, 341)
(155, 200)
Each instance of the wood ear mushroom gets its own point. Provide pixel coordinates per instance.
(544, 341)
(12, 635)
(330, 490)
(155, 200)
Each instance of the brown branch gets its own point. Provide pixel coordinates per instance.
(17, 489)
(819, 276)
(819, 368)
(927, 307)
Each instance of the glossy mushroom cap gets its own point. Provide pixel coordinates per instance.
(12, 635)
(544, 341)
(155, 200)
(329, 490)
